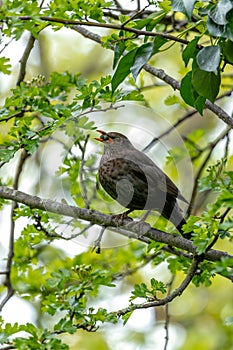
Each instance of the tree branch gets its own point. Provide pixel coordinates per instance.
(186, 117)
(23, 156)
(166, 132)
(7, 282)
(81, 172)
(160, 74)
(203, 166)
(99, 218)
(69, 22)
(167, 316)
(24, 59)
(170, 297)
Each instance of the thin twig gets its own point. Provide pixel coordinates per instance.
(131, 271)
(40, 227)
(170, 297)
(69, 22)
(97, 242)
(7, 283)
(95, 110)
(167, 316)
(211, 147)
(81, 172)
(169, 130)
(5, 46)
(186, 117)
(222, 217)
(135, 15)
(15, 115)
(118, 5)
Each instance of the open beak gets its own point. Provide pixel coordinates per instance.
(102, 133)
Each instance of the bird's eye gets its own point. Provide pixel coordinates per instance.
(104, 137)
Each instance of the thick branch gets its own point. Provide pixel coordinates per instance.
(24, 59)
(159, 73)
(98, 218)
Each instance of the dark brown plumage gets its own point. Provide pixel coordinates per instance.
(135, 181)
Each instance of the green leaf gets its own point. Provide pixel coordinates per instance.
(158, 42)
(6, 154)
(190, 50)
(151, 20)
(189, 5)
(206, 84)
(134, 61)
(84, 123)
(208, 58)
(65, 325)
(118, 51)
(189, 95)
(227, 50)
(4, 65)
(157, 286)
(199, 102)
(205, 276)
(184, 6)
(131, 96)
(142, 55)
(123, 69)
(215, 29)
(171, 100)
(186, 89)
(218, 13)
(224, 31)
(229, 321)
(126, 317)
(3, 338)
(178, 263)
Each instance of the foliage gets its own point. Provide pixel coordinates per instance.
(59, 110)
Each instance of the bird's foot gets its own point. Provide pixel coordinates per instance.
(120, 218)
(141, 227)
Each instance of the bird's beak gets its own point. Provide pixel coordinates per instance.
(102, 133)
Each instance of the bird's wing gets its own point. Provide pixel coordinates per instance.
(133, 169)
(173, 190)
(156, 175)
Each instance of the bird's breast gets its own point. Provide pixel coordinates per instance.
(111, 172)
(119, 179)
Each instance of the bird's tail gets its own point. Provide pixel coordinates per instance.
(180, 229)
(177, 218)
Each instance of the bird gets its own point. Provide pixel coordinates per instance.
(131, 178)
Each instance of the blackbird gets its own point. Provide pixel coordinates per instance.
(135, 181)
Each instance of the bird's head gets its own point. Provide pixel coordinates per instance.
(113, 139)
